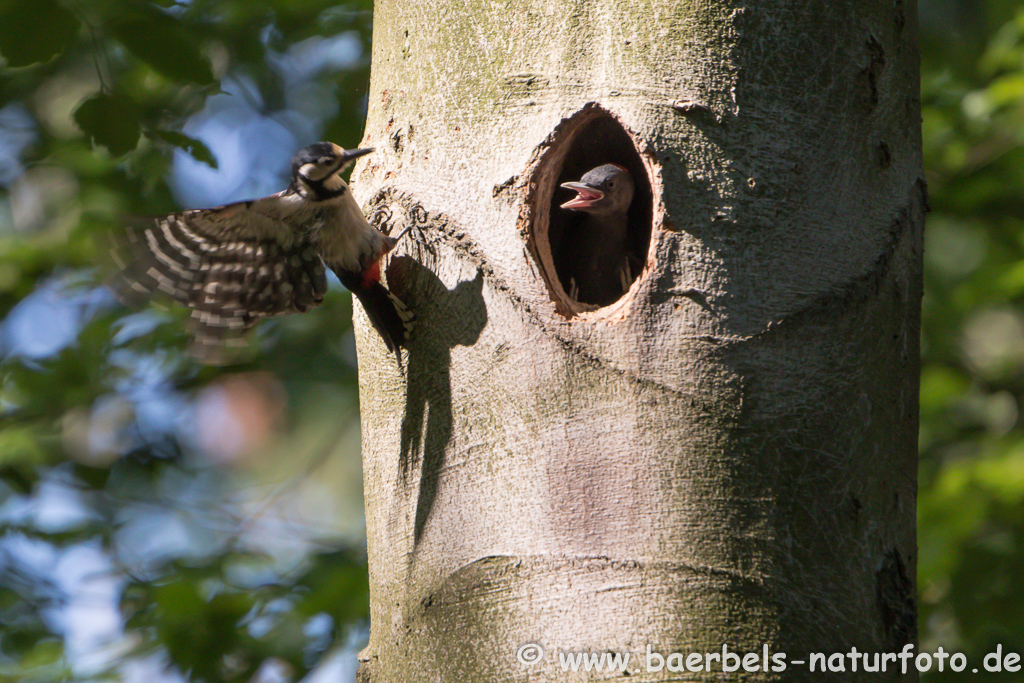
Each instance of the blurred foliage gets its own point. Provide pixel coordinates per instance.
(190, 536)
(161, 520)
(971, 506)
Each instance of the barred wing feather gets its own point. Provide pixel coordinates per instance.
(233, 265)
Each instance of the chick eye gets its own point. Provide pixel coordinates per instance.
(611, 184)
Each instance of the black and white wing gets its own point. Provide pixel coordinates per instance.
(232, 265)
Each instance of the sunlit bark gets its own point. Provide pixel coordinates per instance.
(726, 456)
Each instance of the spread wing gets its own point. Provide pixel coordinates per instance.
(233, 265)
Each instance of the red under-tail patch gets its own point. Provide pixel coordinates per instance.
(371, 274)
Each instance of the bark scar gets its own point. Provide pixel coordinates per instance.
(867, 285)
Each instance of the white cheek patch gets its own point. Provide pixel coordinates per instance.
(308, 171)
(333, 183)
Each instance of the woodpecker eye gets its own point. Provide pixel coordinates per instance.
(323, 161)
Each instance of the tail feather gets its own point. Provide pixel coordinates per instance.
(389, 316)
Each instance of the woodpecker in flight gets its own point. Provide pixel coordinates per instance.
(239, 263)
(595, 260)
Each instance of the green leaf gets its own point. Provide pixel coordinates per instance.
(110, 121)
(197, 149)
(19, 445)
(45, 653)
(34, 31)
(165, 45)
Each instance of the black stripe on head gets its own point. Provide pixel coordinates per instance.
(323, 154)
(315, 171)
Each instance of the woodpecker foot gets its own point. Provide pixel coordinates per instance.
(402, 234)
(625, 276)
(418, 236)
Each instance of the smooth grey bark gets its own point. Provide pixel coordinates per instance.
(728, 454)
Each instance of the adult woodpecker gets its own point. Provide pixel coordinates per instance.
(595, 262)
(239, 263)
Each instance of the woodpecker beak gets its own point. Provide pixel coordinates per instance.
(586, 196)
(351, 154)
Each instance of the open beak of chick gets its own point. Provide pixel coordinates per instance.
(586, 196)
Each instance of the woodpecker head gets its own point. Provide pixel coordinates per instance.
(602, 191)
(315, 170)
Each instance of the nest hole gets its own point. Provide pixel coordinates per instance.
(581, 270)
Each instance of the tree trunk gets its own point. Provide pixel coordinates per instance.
(723, 457)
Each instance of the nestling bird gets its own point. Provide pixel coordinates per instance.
(239, 263)
(595, 265)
